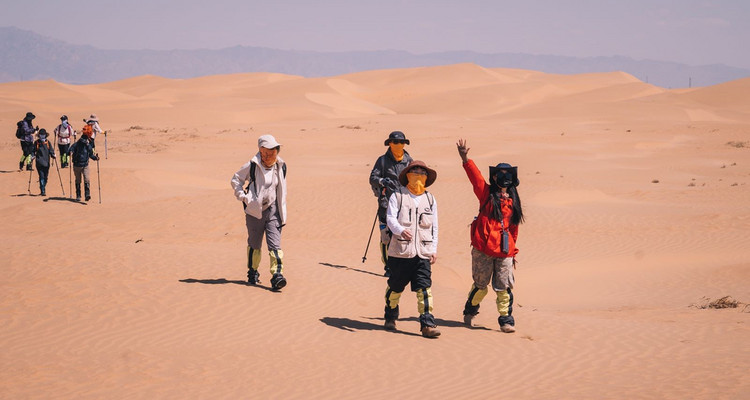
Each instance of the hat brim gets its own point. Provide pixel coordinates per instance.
(431, 175)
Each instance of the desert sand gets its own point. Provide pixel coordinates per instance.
(637, 203)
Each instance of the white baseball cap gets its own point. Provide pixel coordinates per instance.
(268, 142)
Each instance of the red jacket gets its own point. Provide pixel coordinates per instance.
(486, 232)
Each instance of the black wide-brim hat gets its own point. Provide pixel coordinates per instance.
(513, 170)
(396, 135)
(30, 116)
(431, 173)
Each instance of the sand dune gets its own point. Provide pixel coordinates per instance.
(637, 209)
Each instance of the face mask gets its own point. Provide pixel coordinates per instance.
(398, 150)
(42, 137)
(504, 179)
(65, 123)
(416, 183)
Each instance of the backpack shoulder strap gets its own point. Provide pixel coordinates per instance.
(251, 176)
(283, 169)
(430, 199)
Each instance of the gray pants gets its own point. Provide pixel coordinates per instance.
(268, 224)
(82, 171)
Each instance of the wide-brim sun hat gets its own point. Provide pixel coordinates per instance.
(93, 118)
(396, 135)
(268, 142)
(30, 116)
(431, 173)
(513, 170)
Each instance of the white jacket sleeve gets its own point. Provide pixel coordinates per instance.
(239, 179)
(391, 216)
(435, 225)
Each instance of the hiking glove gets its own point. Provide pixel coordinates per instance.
(389, 184)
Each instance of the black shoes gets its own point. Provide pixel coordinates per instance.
(278, 282)
(253, 277)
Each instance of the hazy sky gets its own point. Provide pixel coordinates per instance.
(694, 32)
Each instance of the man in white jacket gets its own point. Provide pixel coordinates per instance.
(264, 200)
(412, 216)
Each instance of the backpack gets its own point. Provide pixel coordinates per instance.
(87, 130)
(19, 130)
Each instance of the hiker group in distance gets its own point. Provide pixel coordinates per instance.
(408, 222)
(37, 150)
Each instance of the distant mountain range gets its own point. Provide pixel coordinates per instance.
(29, 56)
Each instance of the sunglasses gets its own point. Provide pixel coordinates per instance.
(418, 171)
(396, 141)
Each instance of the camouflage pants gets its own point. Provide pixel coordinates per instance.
(485, 268)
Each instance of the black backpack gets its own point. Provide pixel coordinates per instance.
(20, 132)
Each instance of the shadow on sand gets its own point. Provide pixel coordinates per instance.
(222, 281)
(65, 199)
(352, 325)
(344, 267)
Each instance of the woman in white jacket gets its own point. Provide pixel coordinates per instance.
(264, 200)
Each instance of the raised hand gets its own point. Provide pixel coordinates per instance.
(463, 151)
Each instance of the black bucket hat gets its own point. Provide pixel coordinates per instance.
(513, 170)
(396, 135)
(431, 173)
(64, 118)
(30, 116)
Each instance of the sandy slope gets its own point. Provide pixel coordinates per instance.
(637, 207)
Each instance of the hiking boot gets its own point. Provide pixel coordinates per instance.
(29, 167)
(87, 191)
(20, 166)
(390, 325)
(469, 319)
(278, 282)
(44, 192)
(253, 277)
(78, 198)
(430, 332)
(507, 328)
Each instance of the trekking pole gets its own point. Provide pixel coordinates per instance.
(58, 175)
(364, 257)
(31, 172)
(70, 179)
(105, 145)
(99, 181)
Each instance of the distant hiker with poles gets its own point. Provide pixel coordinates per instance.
(412, 217)
(82, 152)
(384, 182)
(43, 150)
(494, 232)
(25, 132)
(264, 200)
(63, 133)
(92, 129)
